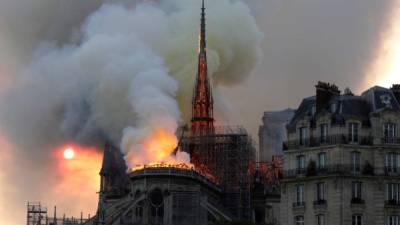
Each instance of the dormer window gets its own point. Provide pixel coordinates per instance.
(353, 132)
(313, 110)
(333, 108)
(389, 132)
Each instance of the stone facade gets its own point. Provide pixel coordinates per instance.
(342, 160)
(163, 196)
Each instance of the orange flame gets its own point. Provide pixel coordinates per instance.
(158, 149)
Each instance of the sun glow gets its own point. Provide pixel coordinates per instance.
(77, 169)
(69, 153)
(385, 69)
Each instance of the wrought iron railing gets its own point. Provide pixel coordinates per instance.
(328, 140)
(358, 201)
(320, 202)
(392, 203)
(390, 140)
(299, 204)
(343, 169)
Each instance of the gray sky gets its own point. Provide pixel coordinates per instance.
(306, 41)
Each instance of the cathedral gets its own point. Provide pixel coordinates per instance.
(218, 187)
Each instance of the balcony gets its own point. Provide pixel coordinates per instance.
(357, 201)
(391, 171)
(393, 203)
(299, 204)
(336, 169)
(320, 202)
(390, 140)
(329, 140)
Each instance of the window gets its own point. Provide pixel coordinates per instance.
(138, 211)
(353, 132)
(299, 220)
(389, 132)
(313, 110)
(393, 220)
(301, 164)
(324, 133)
(356, 190)
(333, 108)
(320, 191)
(300, 194)
(303, 134)
(322, 160)
(392, 162)
(355, 161)
(320, 219)
(393, 193)
(356, 219)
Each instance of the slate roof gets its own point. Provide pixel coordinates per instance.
(373, 100)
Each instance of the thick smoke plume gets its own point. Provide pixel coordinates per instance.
(126, 72)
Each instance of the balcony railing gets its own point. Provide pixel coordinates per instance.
(392, 203)
(390, 140)
(344, 170)
(299, 204)
(357, 201)
(327, 170)
(391, 171)
(329, 140)
(320, 202)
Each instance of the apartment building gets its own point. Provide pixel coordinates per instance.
(342, 159)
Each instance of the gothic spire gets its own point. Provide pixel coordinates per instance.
(203, 29)
(202, 102)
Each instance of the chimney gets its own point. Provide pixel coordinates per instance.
(396, 91)
(324, 93)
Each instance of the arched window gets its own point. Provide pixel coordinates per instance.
(156, 200)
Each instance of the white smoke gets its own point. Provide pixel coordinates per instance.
(132, 71)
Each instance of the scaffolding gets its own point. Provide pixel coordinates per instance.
(227, 154)
(37, 215)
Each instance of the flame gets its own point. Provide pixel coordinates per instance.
(157, 150)
(385, 69)
(163, 165)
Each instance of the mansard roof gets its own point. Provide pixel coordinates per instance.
(348, 106)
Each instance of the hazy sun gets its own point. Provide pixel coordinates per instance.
(69, 153)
